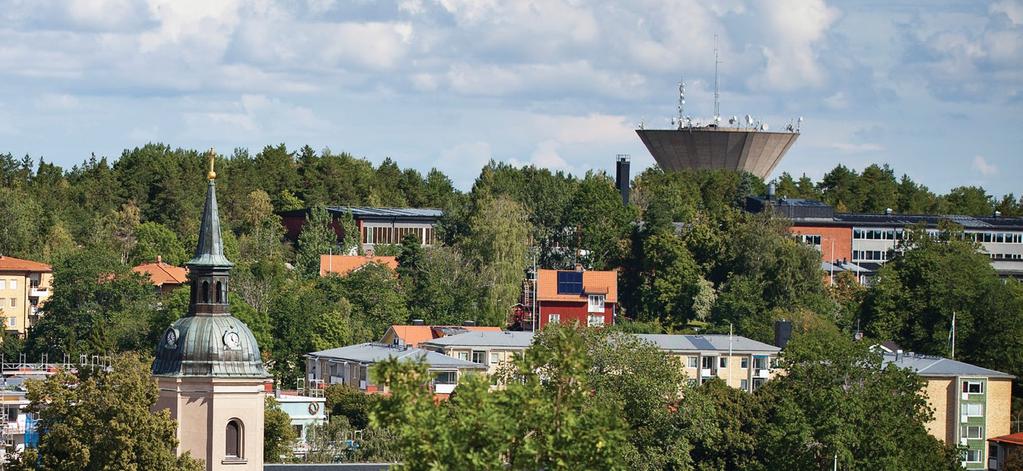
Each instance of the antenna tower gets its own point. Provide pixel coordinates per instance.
(681, 100)
(717, 103)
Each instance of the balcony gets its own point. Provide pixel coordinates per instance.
(761, 373)
(38, 292)
(707, 372)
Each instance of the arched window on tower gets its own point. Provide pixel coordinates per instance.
(220, 292)
(206, 292)
(233, 439)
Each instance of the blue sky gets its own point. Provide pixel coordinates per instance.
(934, 88)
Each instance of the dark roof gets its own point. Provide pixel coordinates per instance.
(371, 352)
(209, 252)
(364, 212)
(902, 220)
(927, 365)
(720, 343)
(327, 467)
(506, 338)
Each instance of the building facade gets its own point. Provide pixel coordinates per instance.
(25, 285)
(588, 297)
(971, 404)
(342, 265)
(414, 335)
(352, 366)
(487, 348)
(870, 240)
(375, 225)
(740, 362)
(208, 366)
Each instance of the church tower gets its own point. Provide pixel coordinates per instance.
(208, 368)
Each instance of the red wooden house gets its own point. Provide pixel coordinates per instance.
(586, 297)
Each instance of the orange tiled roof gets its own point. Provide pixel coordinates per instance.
(163, 273)
(413, 335)
(345, 264)
(1013, 439)
(594, 282)
(17, 264)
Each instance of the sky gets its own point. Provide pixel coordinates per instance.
(930, 87)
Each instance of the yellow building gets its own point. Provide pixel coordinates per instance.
(971, 404)
(25, 286)
(740, 362)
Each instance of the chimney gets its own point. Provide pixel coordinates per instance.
(622, 177)
(770, 191)
(998, 214)
(159, 259)
(888, 211)
(417, 322)
(782, 333)
(578, 266)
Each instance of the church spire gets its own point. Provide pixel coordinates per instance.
(209, 252)
(209, 269)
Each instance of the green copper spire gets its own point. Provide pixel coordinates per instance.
(209, 252)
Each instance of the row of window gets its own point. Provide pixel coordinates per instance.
(395, 234)
(592, 320)
(1006, 256)
(9, 284)
(878, 234)
(996, 237)
(870, 255)
(707, 362)
(480, 357)
(810, 239)
(973, 409)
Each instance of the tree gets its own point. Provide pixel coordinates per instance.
(103, 419)
(278, 434)
(350, 403)
(59, 244)
(19, 229)
(598, 219)
(970, 200)
(317, 238)
(837, 401)
(340, 442)
(496, 246)
(732, 440)
(561, 428)
(375, 297)
(439, 285)
(156, 240)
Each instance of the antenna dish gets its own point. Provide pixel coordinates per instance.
(732, 120)
(749, 120)
(763, 127)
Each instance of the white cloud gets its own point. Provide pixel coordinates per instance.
(546, 156)
(981, 165)
(1012, 9)
(57, 101)
(590, 129)
(462, 162)
(856, 147)
(796, 27)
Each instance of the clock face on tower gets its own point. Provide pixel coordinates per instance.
(232, 341)
(171, 338)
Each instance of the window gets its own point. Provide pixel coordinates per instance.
(596, 303)
(494, 358)
(973, 387)
(220, 292)
(973, 431)
(595, 320)
(570, 282)
(708, 363)
(446, 377)
(12, 321)
(553, 318)
(973, 456)
(3, 284)
(744, 362)
(744, 384)
(233, 440)
(973, 409)
(694, 362)
(479, 357)
(757, 382)
(463, 356)
(14, 284)
(206, 292)
(14, 302)
(723, 362)
(760, 363)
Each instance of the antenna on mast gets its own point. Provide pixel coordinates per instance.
(681, 99)
(717, 102)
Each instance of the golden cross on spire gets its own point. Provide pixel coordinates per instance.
(212, 155)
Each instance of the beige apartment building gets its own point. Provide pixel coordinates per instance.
(25, 285)
(740, 362)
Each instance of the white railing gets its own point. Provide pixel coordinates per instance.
(762, 373)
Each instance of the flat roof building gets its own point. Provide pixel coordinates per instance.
(375, 225)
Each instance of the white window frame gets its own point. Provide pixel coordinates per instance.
(463, 356)
(968, 383)
(13, 284)
(12, 321)
(553, 318)
(980, 455)
(744, 384)
(744, 363)
(595, 320)
(707, 360)
(966, 408)
(495, 358)
(978, 428)
(3, 284)
(596, 303)
(694, 362)
(722, 362)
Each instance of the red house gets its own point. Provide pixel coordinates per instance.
(587, 297)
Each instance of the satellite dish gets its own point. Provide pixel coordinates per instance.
(789, 127)
(749, 120)
(763, 127)
(732, 120)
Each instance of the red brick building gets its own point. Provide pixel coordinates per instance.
(586, 297)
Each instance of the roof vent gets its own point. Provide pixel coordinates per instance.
(469, 323)
(417, 322)
(888, 211)
(998, 214)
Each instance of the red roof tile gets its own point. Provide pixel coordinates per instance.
(163, 273)
(345, 264)
(594, 282)
(17, 264)
(1013, 439)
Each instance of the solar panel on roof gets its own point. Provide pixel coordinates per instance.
(570, 282)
